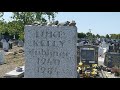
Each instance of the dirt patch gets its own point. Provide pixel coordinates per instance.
(12, 60)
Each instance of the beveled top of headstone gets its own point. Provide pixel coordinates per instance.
(50, 52)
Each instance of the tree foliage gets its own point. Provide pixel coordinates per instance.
(90, 35)
(98, 36)
(81, 35)
(3, 27)
(107, 36)
(20, 19)
(30, 17)
(115, 36)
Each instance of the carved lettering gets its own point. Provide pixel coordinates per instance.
(42, 44)
(46, 53)
(35, 52)
(56, 61)
(62, 42)
(38, 64)
(56, 34)
(49, 61)
(42, 69)
(51, 34)
(50, 70)
(43, 60)
(46, 43)
(35, 43)
(42, 33)
(53, 43)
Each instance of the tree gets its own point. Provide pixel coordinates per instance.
(98, 36)
(113, 36)
(20, 19)
(30, 17)
(81, 35)
(15, 27)
(3, 26)
(118, 36)
(88, 34)
(102, 36)
(107, 36)
(93, 36)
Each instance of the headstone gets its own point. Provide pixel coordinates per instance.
(112, 59)
(20, 43)
(103, 44)
(1, 45)
(10, 44)
(50, 52)
(15, 43)
(14, 37)
(2, 58)
(89, 54)
(5, 45)
(100, 52)
(81, 43)
(111, 49)
(116, 47)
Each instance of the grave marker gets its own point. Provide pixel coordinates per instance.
(2, 58)
(50, 52)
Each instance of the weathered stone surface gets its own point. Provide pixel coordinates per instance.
(50, 52)
(2, 57)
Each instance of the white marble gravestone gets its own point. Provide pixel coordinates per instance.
(50, 52)
(2, 57)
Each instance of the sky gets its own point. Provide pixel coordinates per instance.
(99, 22)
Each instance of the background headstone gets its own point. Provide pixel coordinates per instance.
(100, 51)
(50, 52)
(10, 44)
(111, 48)
(89, 54)
(5, 45)
(1, 44)
(2, 57)
(20, 43)
(113, 58)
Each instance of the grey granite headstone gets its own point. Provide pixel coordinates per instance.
(20, 43)
(2, 57)
(50, 52)
(5, 44)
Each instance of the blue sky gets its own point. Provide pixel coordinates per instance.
(99, 22)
